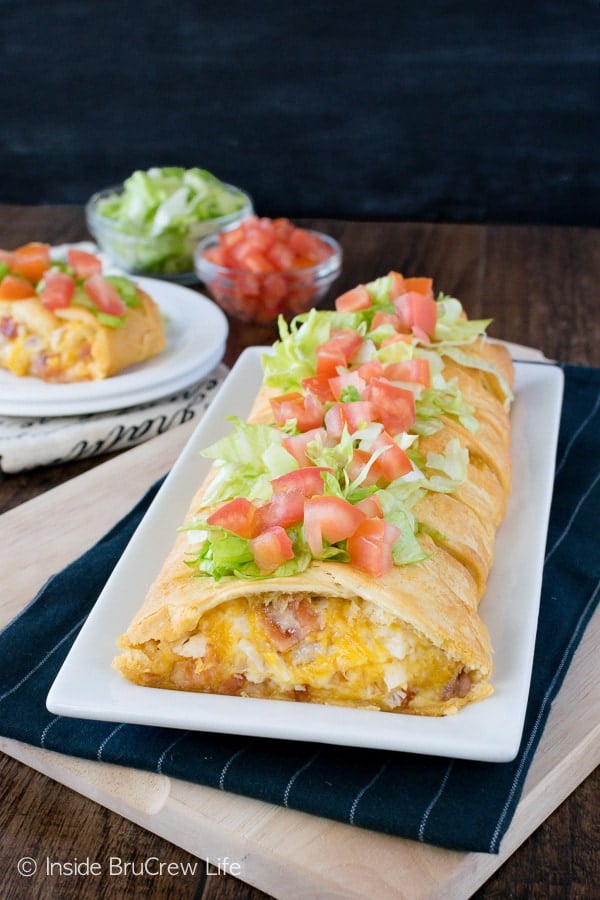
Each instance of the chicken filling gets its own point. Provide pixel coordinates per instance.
(64, 355)
(313, 649)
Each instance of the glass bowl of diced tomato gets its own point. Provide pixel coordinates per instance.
(264, 268)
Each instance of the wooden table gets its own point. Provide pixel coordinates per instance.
(540, 285)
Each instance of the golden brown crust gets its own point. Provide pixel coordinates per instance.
(436, 598)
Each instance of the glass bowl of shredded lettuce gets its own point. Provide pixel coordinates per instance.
(152, 223)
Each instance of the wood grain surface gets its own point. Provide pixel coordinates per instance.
(540, 286)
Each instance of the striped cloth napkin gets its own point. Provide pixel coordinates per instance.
(452, 803)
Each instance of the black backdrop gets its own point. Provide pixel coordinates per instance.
(442, 111)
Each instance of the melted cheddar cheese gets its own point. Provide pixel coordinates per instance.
(346, 652)
(63, 355)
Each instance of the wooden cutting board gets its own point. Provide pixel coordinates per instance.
(269, 846)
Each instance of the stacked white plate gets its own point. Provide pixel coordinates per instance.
(196, 331)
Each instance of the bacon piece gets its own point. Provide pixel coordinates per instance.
(232, 685)
(8, 327)
(458, 687)
(288, 625)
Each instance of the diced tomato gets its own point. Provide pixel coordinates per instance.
(282, 228)
(371, 369)
(395, 338)
(271, 548)
(246, 285)
(330, 357)
(398, 284)
(270, 245)
(301, 291)
(353, 414)
(6, 257)
(14, 288)
(384, 318)
(319, 386)
(347, 379)
(258, 238)
(347, 339)
(414, 370)
(353, 300)
(232, 298)
(337, 351)
(237, 515)
(304, 408)
(31, 260)
(83, 263)
(370, 547)
(415, 310)
(229, 238)
(215, 255)
(296, 444)
(285, 508)
(370, 506)
(303, 262)
(308, 480)
(335, 421)
(58, 290)
(420, 334)
(392, 463)
(306, 244)
(360, 459)
(255, 261)
(274, 290)
(358, 413)
(268, 276)
(281, 255)
(329, 518)
(422, 286)
(395, 405)
(104, 295)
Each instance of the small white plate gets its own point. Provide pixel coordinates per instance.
(196, 331)
(87, 687)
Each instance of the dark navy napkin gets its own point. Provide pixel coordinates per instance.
(453, 803)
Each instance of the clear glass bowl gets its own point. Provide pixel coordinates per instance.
(169, 255)
(262, 297)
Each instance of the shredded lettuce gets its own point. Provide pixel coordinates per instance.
(451, 327)
(453, 463)
(407, 549)
(349, 394)
(336, 457)
(379, 291)
(126, 290)
(381, 333)
(434, 403)
(395, 501)
(476, 362)
(162, 205)
(398, 351)
(170, 197)
(225, 554)
(246, 461)
(109, 320)
(293, 355)
(249, 458)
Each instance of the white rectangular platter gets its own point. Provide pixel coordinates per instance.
(88, 687)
